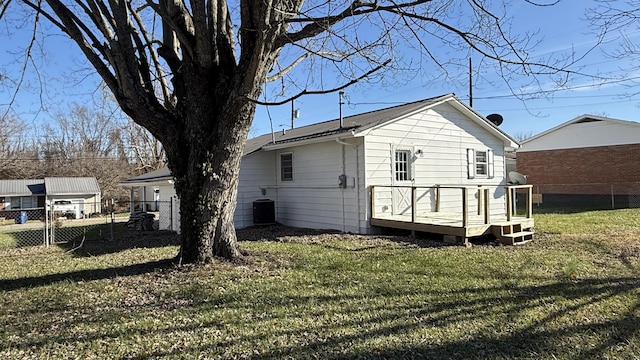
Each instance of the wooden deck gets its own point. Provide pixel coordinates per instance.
(464, 224)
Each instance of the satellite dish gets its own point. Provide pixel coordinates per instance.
(516, 178)
(496, 119)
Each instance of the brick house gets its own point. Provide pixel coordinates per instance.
(590, 160)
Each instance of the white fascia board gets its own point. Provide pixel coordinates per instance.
(149, 182)
(319, 139)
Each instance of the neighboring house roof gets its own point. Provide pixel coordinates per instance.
(22, 187)
(585, 131)
(355, 125)
(152, 176)
(71, 186)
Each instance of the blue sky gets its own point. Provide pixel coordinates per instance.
(64, 78)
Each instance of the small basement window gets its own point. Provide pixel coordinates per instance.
(402, 165)
(286, 167)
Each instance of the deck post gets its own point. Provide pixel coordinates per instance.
(437, 190)
(529, 202)
(414, 209)
(373, 203)
(465, 209)
(509, 204)
(414, 204)
(487, 215)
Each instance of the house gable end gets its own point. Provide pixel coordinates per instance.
(585, 131)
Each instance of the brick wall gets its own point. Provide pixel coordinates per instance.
(597, 167)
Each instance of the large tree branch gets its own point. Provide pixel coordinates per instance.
(164, 86)
(318, 25)
(71, 25)
(318, 92)
(202, 31)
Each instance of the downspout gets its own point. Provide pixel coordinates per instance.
(357, 180)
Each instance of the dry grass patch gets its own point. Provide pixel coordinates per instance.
(305, 294)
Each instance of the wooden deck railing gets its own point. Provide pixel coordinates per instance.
(483, 196)
(511, 191)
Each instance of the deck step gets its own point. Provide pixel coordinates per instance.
(516, 238)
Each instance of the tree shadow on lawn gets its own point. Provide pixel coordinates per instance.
(130, 239)
(541, 338)
(550, 334)
(85, 275)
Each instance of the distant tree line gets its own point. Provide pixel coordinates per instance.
(83, 141)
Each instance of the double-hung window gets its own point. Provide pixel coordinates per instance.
(479, 163)
(286, 167)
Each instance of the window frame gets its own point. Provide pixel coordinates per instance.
(474, 163)
(407, 172)
(482, 163)
(290, 167)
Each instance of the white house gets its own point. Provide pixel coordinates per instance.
(323, 175)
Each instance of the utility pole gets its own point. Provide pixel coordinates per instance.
(341, 94)
(294, 113)
(470, 85)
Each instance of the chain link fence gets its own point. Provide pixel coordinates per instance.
(592, 196)
(67, 221)
(165, 212)
(22, 227)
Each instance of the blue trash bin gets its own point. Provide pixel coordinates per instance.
(21, 217)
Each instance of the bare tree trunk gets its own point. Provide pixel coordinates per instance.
(206, 167)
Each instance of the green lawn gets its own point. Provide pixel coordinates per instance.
(573, 293)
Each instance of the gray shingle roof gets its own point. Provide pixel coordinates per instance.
(357, 122)
(22, 187)
(159, 174)
(71, 185)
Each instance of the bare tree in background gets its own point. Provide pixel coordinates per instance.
(146, 152)
(84, 142)
(620, 19)
(192, 72)
(18, 158)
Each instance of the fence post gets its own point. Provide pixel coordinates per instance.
(131, 202)
(613, 199)
(46, 224)
(112, 215)
(171, 214)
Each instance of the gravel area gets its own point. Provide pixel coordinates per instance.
(283, 233)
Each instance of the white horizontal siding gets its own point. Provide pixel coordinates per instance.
(257, 172)
(313, 199)
(587, 134)
(443, 135)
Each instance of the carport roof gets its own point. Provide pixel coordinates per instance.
(22, 187)
(71, 186)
